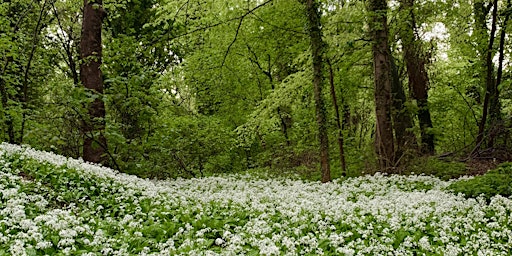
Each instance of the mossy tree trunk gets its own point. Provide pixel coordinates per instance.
(317, 50)
(417, 74)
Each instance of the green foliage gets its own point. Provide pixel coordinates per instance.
(188, 146)
(201, 86)
(495, 182)
(443, 169)
(56, 127)
(455, 111)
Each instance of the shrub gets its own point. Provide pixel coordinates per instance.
(494, 182)
(442, 169)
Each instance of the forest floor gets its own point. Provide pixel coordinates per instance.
(486, 160)
(50, 204)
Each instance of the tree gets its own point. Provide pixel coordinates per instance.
(382, 78)
(417, 74)
(21, 66)
(491, 106)
(495, 105)
(317, 52)
(135, 56)
(95, 144)
(402, 121)
(338, 120)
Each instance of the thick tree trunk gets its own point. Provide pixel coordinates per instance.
(489, 79)
(418, 77)
(317, 50)
(382, 79)
(90, 74)
(338, 121)
(402, 121)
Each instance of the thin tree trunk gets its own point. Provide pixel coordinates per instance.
(382, 79)
(418, 77)
(338, 121)
(95, 143)
(67, 45)
(489, 79)
(503, 34)
(317, 50)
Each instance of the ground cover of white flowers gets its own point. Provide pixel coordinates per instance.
(51, 205)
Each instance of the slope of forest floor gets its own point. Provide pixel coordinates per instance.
(53, 205)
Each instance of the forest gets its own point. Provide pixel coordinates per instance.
(166, 89)
(255, 127)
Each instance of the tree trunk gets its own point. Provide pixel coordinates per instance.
(495, 106)
(338, 121)
(402, 121)
(481, 38)
(90, 74)
(317, 50)
(489, 79)
(418, 77)
(382, 79)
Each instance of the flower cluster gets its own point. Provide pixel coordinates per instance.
(51, 204)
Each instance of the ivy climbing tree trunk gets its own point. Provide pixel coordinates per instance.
(382, 79)
(402, 121)
(317, 51)
(95, 143)
(417, 74)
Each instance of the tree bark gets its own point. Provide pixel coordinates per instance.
(418, 77)
(317, 50)
(382, 79)
(338, 121)
(95, 143)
